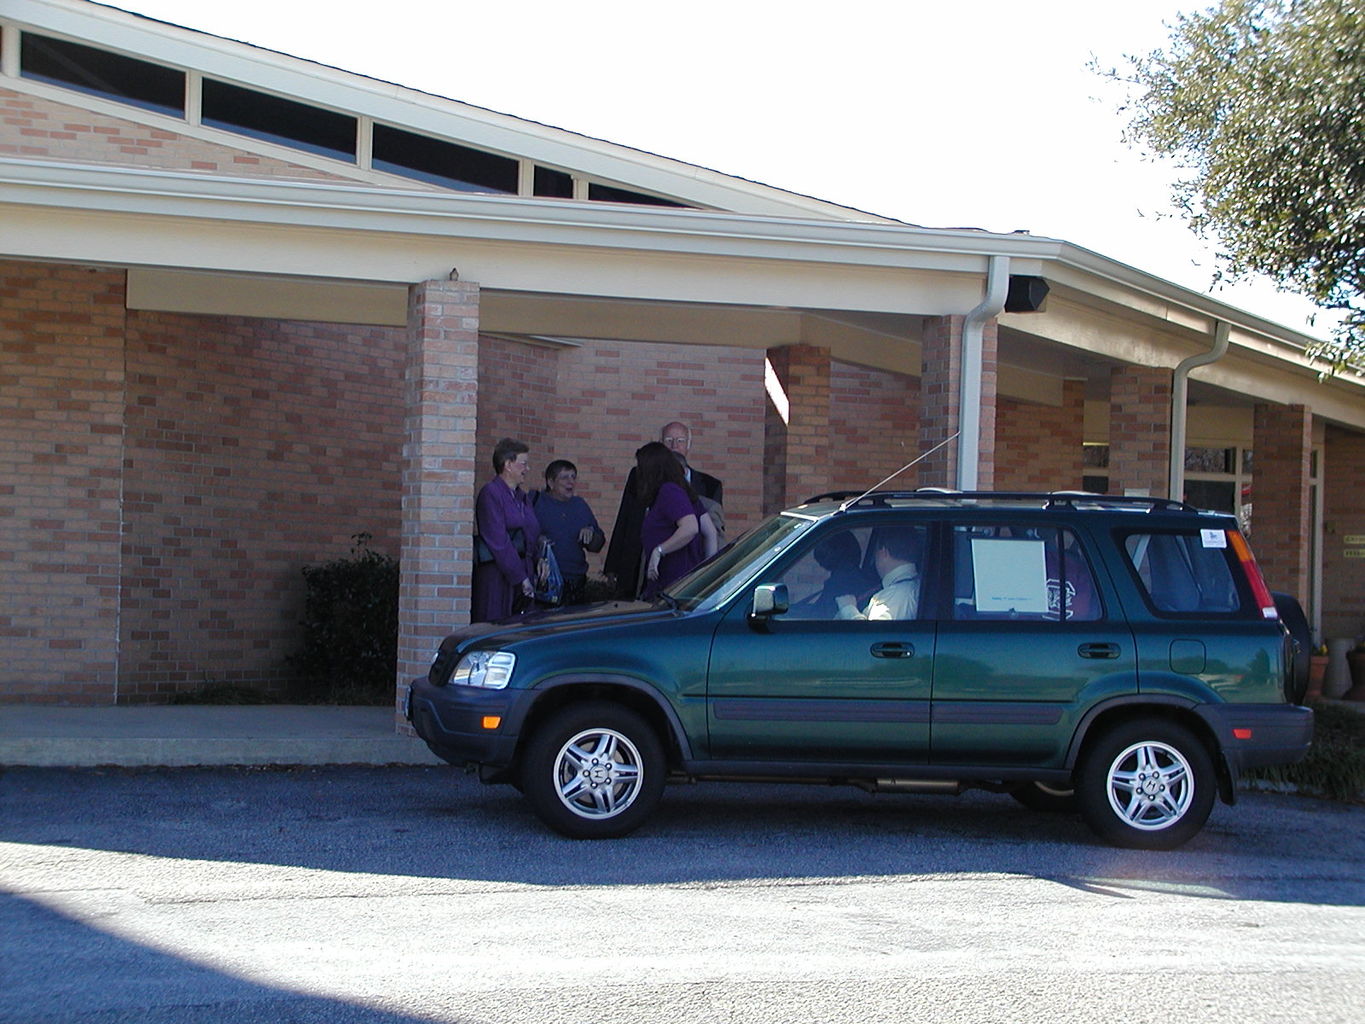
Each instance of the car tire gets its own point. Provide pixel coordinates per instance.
(594, 771)
(1040, 796)
(1147, 784)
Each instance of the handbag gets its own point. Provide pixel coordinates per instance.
(549, 580)
(483, 554)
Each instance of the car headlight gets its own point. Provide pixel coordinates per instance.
(491, 670)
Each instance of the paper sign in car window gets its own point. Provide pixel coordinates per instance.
(1010, 575)
(1214, 538)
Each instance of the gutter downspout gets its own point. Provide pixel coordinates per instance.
(969, 400)
(1179, 389)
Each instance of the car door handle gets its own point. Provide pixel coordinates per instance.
(1098, 650)
(893, 650)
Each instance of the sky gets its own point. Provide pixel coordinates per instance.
(974, 113)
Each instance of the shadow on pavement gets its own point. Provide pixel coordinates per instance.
(437, 823)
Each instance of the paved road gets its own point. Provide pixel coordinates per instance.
(401, 895)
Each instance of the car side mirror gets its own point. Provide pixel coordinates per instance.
(769, 599)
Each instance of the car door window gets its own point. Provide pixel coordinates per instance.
(862, 574)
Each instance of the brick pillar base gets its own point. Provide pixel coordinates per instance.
(797, 452)
(439, 459)
(1140, 430)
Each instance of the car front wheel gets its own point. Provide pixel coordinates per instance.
(1147, 784)
(594, 771)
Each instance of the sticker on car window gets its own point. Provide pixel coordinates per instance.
(1214, 538)
(1010, 575)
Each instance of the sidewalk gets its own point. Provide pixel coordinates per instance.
(199, 734)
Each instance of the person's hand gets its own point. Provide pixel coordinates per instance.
(527, 589)
(585, 536)
(652, 570)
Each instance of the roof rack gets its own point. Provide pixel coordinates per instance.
(1049, 499)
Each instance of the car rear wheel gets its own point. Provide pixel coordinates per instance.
(594, 771)
(1147, 784)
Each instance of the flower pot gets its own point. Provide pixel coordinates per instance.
(1317, 672)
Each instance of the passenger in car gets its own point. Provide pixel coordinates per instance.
(896, 555)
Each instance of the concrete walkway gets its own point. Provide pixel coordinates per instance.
(186, 735)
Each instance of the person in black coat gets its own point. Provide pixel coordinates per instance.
(624, 554)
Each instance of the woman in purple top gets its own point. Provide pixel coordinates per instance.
(676, 535)
(505, 584)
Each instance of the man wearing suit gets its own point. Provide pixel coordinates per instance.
(624, 555)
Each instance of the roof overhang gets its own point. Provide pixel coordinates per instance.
(356, 249)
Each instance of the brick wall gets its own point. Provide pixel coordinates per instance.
(518, 398)
(45, 130)
(874, 427)
(61, 444)
(254, 447)
(1039, 447)
(1343, 578)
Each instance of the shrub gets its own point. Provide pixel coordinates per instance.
(1335, 764)
(350, 649)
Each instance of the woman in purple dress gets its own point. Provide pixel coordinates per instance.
(506, 584)
(676, 535)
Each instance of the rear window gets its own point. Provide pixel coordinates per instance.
(1189, 573)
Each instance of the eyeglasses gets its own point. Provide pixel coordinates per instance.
(677, 442)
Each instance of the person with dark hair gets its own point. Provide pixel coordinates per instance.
(676, 535)
(508, 531)
(839, 554)
(569, 523)
(896, 552)
(624, 552)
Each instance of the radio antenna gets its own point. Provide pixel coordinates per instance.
(917, 459)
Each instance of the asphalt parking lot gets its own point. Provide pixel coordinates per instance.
(404, 894)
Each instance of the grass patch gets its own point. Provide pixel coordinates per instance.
(1335, 764)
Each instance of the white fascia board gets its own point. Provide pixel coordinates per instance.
(165, 194)
(1181, 306)
(309, 82)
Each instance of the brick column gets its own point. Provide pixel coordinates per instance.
(439, 470)
(941, 395)
(1282, 517)
(62, 421)
(1140, 430)
(796, 454)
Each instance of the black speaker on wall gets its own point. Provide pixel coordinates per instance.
(1026, 295)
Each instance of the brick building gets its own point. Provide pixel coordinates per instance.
(251, 306)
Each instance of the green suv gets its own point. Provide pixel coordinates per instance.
(1118, 656)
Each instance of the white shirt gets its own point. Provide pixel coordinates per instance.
(898, 598)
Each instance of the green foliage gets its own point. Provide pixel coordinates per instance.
(1335, 765)
(1262, 102)
(350, 653)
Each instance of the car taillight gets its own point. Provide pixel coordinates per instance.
(1259, 590)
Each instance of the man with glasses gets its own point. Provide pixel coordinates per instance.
(624, 554)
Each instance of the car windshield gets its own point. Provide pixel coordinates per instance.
(715, 580)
